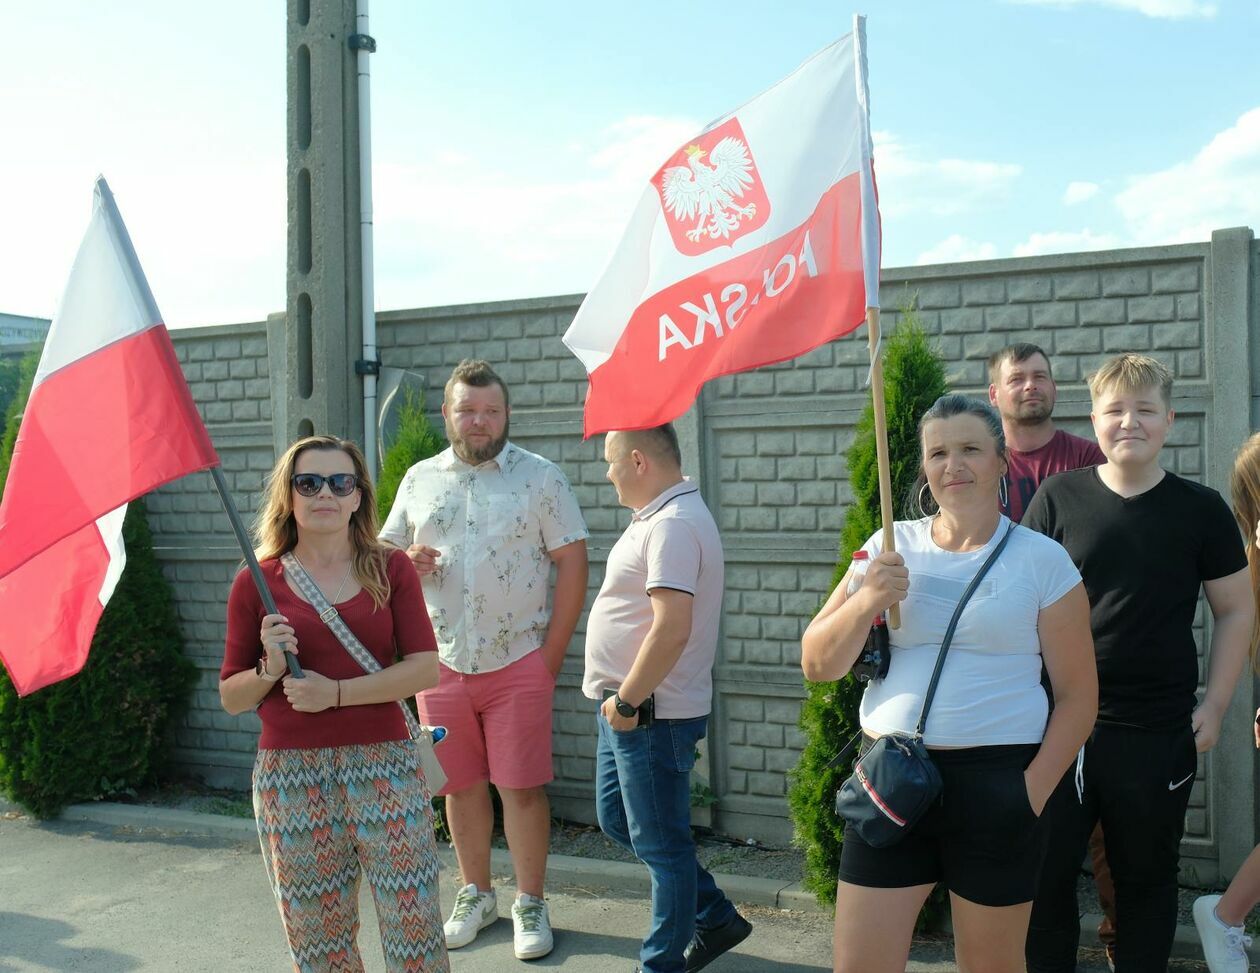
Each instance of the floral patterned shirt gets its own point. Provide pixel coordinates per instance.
(494, 524)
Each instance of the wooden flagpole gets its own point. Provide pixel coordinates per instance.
(881, 445)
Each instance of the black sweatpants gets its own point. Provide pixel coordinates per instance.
(1138, 783)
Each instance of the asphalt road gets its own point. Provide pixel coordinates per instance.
(83, 896)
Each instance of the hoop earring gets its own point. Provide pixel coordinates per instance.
(1003, 494)
(922, 505)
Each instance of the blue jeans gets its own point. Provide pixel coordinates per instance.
(643, 799)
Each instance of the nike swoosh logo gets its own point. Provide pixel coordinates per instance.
(1189, 776)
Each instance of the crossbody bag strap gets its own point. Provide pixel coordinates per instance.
(337, 625)
(953, 624)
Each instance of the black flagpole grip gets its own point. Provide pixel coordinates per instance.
(242, 539)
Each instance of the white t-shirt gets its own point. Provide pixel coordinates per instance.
(672, 542)
(990, 690)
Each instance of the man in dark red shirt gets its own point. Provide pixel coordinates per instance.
(1022, 389)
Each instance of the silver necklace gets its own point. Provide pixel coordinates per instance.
(340, 588)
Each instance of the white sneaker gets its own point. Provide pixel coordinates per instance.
(1224, 947)
(531, 927)
(474, 910)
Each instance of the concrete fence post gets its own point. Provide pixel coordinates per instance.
(1230, 348)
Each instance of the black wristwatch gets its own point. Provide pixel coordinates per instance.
(624, 708)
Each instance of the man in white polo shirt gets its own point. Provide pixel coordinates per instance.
(651, 639)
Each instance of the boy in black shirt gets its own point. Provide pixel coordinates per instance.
(1144, 541)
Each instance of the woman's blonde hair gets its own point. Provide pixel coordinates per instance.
(1244, 489)
(275, 529)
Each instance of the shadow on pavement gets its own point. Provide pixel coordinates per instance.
(38, 940)
(126, 835)
(608, 953)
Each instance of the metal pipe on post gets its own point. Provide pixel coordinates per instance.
(365, 46)
(881, 446)
(242, 539)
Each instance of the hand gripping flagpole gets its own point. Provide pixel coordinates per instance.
(242, 539)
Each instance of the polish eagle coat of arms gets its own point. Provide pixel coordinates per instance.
(711, 192)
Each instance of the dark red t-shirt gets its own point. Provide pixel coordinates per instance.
(400, 627)
(1027, 470)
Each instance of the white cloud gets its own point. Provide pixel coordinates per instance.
(1057, 241)
(1219, 187)
(956, 248)
(910, 184)
(475, 228)
(1161, 9)
(1079, 192)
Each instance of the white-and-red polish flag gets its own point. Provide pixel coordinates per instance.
(755, 242)
(109, 418)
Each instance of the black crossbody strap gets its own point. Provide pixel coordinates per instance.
(847, 749)
(953, 624)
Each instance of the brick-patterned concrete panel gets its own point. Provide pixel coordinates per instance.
(1126, 282)
(774, 473)
(1175, 279)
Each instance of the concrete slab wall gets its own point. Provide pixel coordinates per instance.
(768, 448)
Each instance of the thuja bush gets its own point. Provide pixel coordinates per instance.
(12, 373)
(107, 729)
(914, 377)
(416, 440)
(16, 389)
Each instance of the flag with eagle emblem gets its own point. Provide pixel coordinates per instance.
(755, 242)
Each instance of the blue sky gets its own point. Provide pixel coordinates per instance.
(512, 140)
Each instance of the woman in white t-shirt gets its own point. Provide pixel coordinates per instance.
(1001, 753)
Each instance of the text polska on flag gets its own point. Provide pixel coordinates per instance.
(755, 242)
(109, 418)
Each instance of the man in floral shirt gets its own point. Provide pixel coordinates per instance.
(484, 521)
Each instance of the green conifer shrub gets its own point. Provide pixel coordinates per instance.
(914, 378)
(416, 439)
(107, 729)
(19, 374)
(11, 374)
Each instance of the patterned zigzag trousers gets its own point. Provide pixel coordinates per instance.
(325, 816)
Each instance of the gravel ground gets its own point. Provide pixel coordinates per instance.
(1088, 898)
(716, 853)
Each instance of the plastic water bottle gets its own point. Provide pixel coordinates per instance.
(873, 661)
(857, 571)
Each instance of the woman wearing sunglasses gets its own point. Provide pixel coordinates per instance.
(338, 789)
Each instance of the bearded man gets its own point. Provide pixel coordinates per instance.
(1022, 389)
(483, 522)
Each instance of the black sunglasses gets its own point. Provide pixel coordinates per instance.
(309, 484)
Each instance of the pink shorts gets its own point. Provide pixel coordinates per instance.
(498, 724)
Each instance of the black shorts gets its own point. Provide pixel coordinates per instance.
(981, 837)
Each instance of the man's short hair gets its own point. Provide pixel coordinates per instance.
(659, 442)
(1019, 352)
(1131, 373)
(478, 374)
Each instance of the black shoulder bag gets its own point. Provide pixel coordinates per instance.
(895, 782)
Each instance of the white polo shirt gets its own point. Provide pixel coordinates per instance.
(495, 524)
(672, 542)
